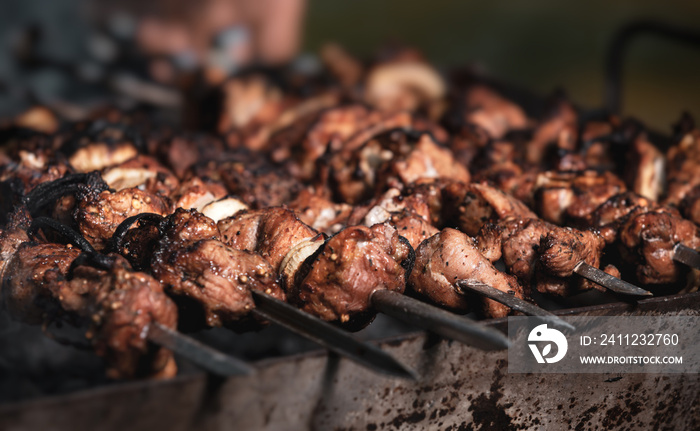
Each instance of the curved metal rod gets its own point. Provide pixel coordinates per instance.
(621, 42)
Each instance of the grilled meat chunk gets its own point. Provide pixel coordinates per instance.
(683, 163)
(117, 306)
(143, 172)
(493, 113)
(645, 171)
(271, 233)
(197, 193)
(609, 216)
(690, 205)
(190, 261)
(29, 273)
(564, 248)
(350, 266)
(516, 241)
(319, 212)
(648, 238)
(122, 304)
(474, 205)
(572, 196)
(99, 214)
(450, 256)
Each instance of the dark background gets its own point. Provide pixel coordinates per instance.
(538, 44)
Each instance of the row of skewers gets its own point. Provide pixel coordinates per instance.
(327, 207)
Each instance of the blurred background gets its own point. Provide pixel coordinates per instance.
(541, 45)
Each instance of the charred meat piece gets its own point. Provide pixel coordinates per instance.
(608, 217)
(690, 206)
(474, 205)
(683, 164)
(99, 214)
(450, 256)
(122, 304)
(142, 172)
(190, 261)
(258, 185)
(116, 305)
(343, 129)
(350, 266)
(648, 238)
(411, 215)
(559, 253)
(493, 113)
(556, 130)
(197, 193)
(319, 212)
(394, 159)
(426, 160)
(101, 144)
(645, 171)
(572, 196)
(271, 233)
(516, 241)
(29, 273)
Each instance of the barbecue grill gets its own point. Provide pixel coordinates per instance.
(298, 387)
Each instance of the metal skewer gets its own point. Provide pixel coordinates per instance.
(329, 336)
(511, 301)
(608, 281)
(441, 322)
(686, 255)
(206, 357)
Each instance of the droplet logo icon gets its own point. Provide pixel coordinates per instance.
(552, 336)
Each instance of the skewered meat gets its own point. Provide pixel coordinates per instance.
(197, 193)
(99, 214)
(404, 86)
(572, 196)
(123, 304)
(646, 170)
(516, 241)
(449, 256)
(409, 213)
(609, 216)
(474, 205)
(348, 267)
(143, 172)
(118, 304)
(493, 113)
(648, 238)
(320, 212)
(271, 233)
(191, 261)
(558, 130)
(683, 164)
(29, 271)
(394, 159)
(560, 251)
(541, 254)
(690, 206)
